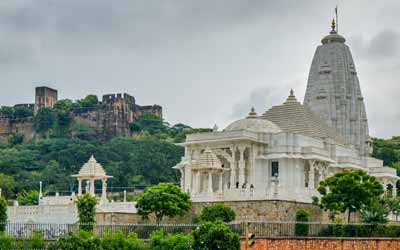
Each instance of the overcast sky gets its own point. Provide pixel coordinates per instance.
(204, 61)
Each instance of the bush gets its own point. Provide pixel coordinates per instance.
(303, 216)
(87, 211)
(3, 214)
(6, 242)
(214, 213)
(120, 241)
(26, 198)
(81, 240)
(161, 241)
(215, 236)
(35, 242)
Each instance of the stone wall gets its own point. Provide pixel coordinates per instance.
(266, 210)
(324, 243)
(10, 127)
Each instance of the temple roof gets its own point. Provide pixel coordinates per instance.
(293, 117)
(208, 160)
(92, 169)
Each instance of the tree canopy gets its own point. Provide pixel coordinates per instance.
(216, 212)
(165, 199)
(348, 191)
(215, 236)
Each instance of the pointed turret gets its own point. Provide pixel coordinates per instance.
(333, 91)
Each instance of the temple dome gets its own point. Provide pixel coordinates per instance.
(254, 123)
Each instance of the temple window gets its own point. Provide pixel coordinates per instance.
(275, 168)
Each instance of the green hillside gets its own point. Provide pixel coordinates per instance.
(145, 159)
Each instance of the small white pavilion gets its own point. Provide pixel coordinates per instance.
(92, 171)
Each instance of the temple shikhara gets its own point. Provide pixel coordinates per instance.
(284, 152)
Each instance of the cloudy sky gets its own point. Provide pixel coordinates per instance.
(205, 61)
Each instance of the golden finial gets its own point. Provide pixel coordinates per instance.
(333, 25)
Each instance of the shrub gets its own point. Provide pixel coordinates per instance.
(303, 216)
(26, 198)
(120, 241)
(216, 212)
(87, 211)
(161, 241)
(6, 242)
(36, 241)
(3, 214)
(81, 240)
(215, 236)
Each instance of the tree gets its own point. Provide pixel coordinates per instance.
(89, 101)
(7, 185)
(87, 211)
(150, 123)
(16, 139)
(302, 216)
(118, 240)
(28, 198)
(3, 214)
(7, 112)
(216, 212)
(165, 199)
(161, 241)
(22, 112)
(348, 191)
(215, 236)
(43, 120)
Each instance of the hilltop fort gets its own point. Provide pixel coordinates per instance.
(108, 118)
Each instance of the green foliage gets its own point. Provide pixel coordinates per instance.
(89, 101)
(303, 216)
(65, 105)
(387, 150)
(216, 212)
(3, 213)
(7, 112)
(150, 123)
(22, 112)
(161, 241)
(81, 241)
(165, 199)
(87, 211)
(54, 160)
(7, 185)
(376, 213)
(16, 139)
(119, 241)
(36, 241)
(215, 236)
(26, 198)
(349, 191)
(44, 120)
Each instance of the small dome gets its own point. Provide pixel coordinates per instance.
(254, 123)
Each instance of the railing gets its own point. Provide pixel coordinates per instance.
(52, 232)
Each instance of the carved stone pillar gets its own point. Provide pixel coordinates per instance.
(220, 182)
(394, 192)
(91, 189)
(198, 182)
(104, 191)
(232, 164)
(242, 166)
(312, 175)
(79, 186)
(210, 186)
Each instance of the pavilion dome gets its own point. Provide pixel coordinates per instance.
(254, 123)
(92, 168)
